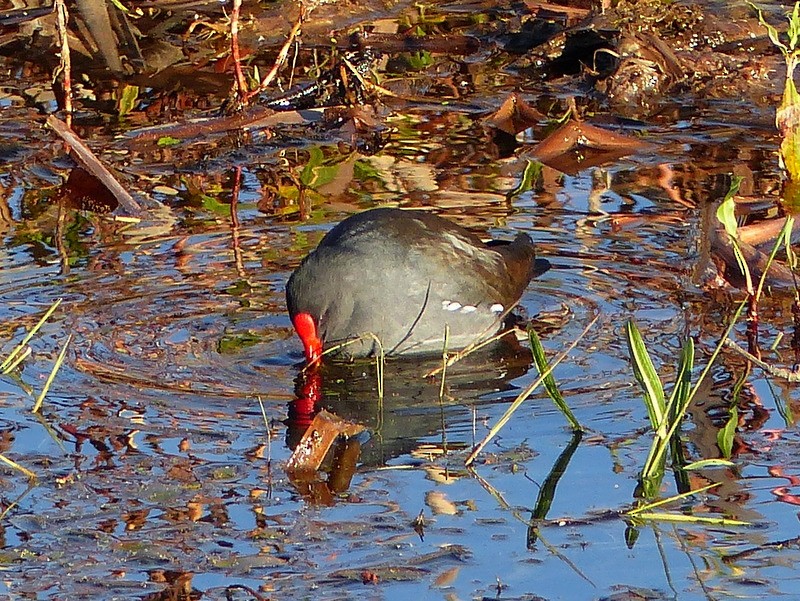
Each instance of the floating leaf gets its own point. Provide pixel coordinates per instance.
(514, 116)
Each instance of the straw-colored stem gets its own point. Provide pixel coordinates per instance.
(51, 377)
(21, 346)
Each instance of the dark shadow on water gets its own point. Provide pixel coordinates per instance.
(412, 407)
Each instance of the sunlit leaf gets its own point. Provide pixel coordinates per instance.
(645, 373)
(127, 99)
(794, 26)
(315, 174)
(726, 213)
(514, 115)
(530, 175)
(791, 257)
(683, 382)
(549, 381)
(771, 31)
(787, 119)
(704, 463)
(727, 434)
(168, 141)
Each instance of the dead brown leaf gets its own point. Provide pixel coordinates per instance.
(577, 145)
(515, 115)
(309, 454)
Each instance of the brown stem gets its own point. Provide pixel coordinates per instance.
(241, 83)
(64, 69)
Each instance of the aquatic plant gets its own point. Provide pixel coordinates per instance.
(15, 358)
(787, 115)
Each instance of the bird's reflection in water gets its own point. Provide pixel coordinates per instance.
(413, 406)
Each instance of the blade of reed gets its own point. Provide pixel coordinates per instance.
(14, 465)
(522, 397)
(38, 405)
(549, 381)
(645, 373)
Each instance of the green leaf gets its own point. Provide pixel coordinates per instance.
(771, 31)
(213, 205)
(726, 213)
(704, 463)
(726, 435)
(168, 141)
(683, 383)
(549, 381)
(645, 373)
(315, 174)
(531, 174)
(419, 60)
(794, 26)
(127, 99)
(791, 257)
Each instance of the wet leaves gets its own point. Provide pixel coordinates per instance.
(515, 115)
(578, 145)
(324, 431)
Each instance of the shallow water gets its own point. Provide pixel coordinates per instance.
(158, 478)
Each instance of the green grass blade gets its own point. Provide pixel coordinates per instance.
(18, 358)
(726, 215)
(549, 381)
(683, 382)
(784, 238)
(703, 375)
(704, 463)
(645, 373)
(727, 434)
(522, 396)
(690, 519)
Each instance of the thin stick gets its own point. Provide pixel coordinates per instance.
(779, 372)
(235, 236)
(65, 63)
(14, 465)
(522, 397)
(284, 51)
(442, 386)
(466, 351)
(269, 430)
(241, 83)
(87, 159)
(444, 362)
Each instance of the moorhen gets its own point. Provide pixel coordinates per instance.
(394, 278)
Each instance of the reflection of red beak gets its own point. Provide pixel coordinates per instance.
(307, 330)
(305, 406)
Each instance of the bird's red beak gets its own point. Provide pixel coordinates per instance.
(307, 330)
